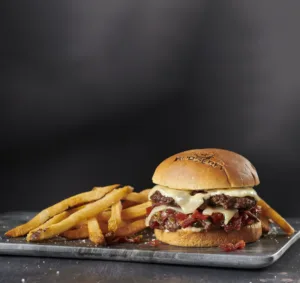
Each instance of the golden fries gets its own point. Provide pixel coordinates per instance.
(137, 197)
(115, 218)
(269, 212)
(90, 210)
(97, 215)
(135, 211)
(51, 211)
(128, 203)
(55, 219)
(103, 226)
(131, 228)
(145, 192)
(129, 213)
(95, 233)
(115, 186)
(80, 233)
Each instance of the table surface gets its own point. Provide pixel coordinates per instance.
(37, 269)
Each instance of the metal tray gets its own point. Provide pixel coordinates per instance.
(256, 255)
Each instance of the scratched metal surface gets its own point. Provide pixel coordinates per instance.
(256, 255)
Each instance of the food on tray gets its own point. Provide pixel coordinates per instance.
(205, 198)
(202, 198)
(97, 215)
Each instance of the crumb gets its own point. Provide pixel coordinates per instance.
(273, 231)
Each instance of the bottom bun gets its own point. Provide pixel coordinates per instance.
(185, 238)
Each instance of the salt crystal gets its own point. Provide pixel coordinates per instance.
(57, 272)
(43, 261)
(23, 280)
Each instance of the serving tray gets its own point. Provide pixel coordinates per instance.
(256, 255)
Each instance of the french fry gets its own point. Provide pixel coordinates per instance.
(131, 228)
(137, 197)
(135, 211)
(89, 211)
(80, 233)
(80, 224)
(128, 203)
(103, 226)
(57, 218)
(145, 192)
(269, 212)
(128, 213)
(115, 217)
(64, 205)
(134, 198)
(95, 234)
(115, 186)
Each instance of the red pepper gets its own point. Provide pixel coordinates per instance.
(181, 216)
(188, 222)
(217, 218)
(229, 247)
(170, 211)
(148, 210)
(199, 215)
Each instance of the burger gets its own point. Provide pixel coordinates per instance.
(205, 198)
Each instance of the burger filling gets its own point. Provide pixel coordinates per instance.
(202, 210)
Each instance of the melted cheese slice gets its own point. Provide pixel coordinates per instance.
(189, 203)
(228, 213)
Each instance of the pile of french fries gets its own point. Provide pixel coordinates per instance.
(103, 213)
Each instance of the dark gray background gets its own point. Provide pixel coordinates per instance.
(99, 92)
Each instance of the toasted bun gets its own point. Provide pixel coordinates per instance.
(209, 168)
(181, 238)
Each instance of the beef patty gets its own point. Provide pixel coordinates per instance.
(227, 202)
